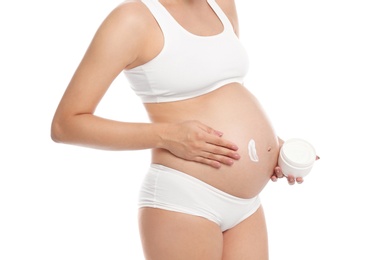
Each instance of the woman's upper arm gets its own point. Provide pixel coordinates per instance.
(116, 44)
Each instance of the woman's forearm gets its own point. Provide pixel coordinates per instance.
(96, 132)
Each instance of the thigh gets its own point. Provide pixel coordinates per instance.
(175, 236)
(247, 240)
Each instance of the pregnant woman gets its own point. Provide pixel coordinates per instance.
(213, 149)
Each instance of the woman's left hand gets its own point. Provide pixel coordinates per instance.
(278, 175)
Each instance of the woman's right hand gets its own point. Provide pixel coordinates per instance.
(194, 141)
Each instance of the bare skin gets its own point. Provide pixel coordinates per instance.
(201, 136)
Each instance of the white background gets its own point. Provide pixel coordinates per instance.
(320, 69)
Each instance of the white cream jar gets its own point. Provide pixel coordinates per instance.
(296, 157)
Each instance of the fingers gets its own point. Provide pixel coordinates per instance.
(210, 130)
(214, 138)
(274, 178)
(212, 163)
(292, 180)
(221, 143)
(278, 174)
(219, 156)
(217, 150)
(194, 141)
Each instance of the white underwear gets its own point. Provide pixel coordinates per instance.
(169, 189)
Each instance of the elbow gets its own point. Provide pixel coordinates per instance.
(56, 135)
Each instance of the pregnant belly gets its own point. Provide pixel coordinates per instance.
(234, 111)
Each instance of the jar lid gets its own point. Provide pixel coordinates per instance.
(298, 152)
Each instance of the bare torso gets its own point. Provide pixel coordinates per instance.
(233, 110)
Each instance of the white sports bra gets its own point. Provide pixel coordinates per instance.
(188, 65)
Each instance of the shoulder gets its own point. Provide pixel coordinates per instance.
(131, 9)
(128, 23)
(122, 35)
(130, 14)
